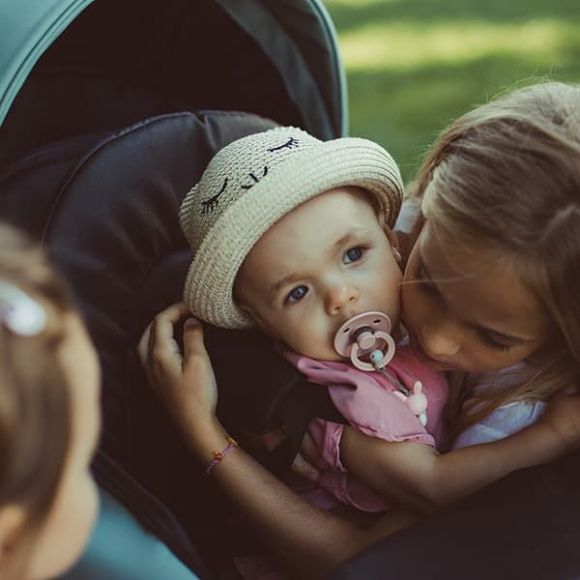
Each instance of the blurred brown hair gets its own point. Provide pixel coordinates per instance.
(34, 399)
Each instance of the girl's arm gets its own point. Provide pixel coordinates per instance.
(415, 475)
(309, 541)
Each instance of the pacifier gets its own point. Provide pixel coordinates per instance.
(366, 341)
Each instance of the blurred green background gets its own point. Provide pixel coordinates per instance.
(414, 65)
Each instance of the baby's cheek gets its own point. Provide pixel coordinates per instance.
(301, 341)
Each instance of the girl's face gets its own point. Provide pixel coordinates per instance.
(321, 264)
(465, 309)
(69, 523)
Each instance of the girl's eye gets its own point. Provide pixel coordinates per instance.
(353, 255)
(296, 294)
(492, 342)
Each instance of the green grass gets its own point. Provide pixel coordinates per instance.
(414, 65)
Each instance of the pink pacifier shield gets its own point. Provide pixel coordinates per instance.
(364, 335)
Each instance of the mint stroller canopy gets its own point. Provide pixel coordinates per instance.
(69, 67)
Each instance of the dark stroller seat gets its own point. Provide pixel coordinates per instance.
(111, 225)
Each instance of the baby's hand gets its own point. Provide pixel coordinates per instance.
(184, 381)
(308, 462)
(563, 416)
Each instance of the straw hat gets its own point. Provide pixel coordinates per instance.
(249, 185)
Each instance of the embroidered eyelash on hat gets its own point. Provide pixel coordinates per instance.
(211, 203)
(19, 312)
(292, 143)
(256, 179)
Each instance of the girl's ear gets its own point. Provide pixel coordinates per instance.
(12, 518)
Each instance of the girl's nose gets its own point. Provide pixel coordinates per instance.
(441, 340)
(339, 297)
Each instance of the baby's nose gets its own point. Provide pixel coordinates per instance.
(339, 297)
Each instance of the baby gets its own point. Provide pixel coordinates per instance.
(292, 235)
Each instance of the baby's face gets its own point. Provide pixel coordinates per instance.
(321, 264)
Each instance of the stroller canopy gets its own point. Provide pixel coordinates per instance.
(68, 67)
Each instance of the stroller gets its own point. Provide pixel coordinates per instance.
(102, 133)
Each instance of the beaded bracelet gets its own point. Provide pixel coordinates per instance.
(219, 455)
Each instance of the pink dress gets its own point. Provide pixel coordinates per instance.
(367, 401)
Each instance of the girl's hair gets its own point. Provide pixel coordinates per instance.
(35, 413)
(507, 176)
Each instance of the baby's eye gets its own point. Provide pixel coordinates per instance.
(296, 294)
(353, 255)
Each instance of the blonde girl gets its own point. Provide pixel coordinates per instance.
(490, 292)
(494, 276)
(48, 417)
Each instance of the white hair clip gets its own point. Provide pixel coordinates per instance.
(19, 312)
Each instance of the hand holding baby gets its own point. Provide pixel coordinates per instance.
(563, 417)
(185, 382)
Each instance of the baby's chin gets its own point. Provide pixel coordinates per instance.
(329, 355)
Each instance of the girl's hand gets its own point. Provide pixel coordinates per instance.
(563, 416)
(185, 382)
